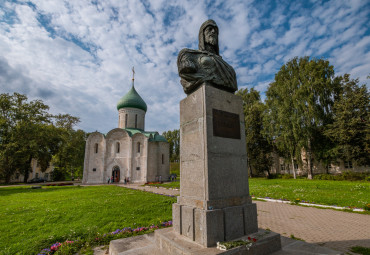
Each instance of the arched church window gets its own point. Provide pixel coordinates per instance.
(135, 120)
(162, 159)
(138, 147)
(126, 121)
(118, 147)
(96, 148)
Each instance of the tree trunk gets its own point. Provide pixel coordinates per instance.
(309, 161)
(294, 174)
(250, 172)
(27, 169)
(8, 172)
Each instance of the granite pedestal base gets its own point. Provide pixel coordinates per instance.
(207, 227)
(169, 242)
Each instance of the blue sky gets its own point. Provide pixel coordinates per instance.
(77, 56)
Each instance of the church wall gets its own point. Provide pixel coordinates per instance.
(156, 169)
(94, 160)
(131, 112)
(115, 157)
(152, 162)
(139, 158)
(163, 166)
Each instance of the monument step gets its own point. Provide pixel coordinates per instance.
(150, 245)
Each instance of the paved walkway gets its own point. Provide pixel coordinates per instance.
(329, 228)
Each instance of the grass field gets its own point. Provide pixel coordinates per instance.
(340, 193)
(172, 185)
(33, 219)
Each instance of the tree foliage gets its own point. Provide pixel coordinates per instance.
(301, 98)
(173, 138)
(350, 130)
(27, 132)
(258, 146)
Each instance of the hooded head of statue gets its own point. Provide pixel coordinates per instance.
(208, 36)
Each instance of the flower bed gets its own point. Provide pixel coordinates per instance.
(73, 247)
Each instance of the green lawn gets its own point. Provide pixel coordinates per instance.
(340, 193)
(33, 219)
(172, 185)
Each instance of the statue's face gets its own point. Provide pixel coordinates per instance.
(211, 35)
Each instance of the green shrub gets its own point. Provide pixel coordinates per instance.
(175, 168)
(287, 176)
(354, 176)
(281, 176)
(345, 176)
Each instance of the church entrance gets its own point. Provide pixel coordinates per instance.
(116, 174)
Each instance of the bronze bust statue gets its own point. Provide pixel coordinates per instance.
(205, 65)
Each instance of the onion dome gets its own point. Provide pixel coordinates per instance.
(133, 100)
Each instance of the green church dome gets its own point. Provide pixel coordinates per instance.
(133, 100)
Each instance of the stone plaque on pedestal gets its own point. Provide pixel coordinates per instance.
(214, 202)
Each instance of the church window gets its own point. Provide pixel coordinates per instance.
(135, 120)
(282, 167)
(37, 175)
(94, 169)
(118, 147)
(96, 148)
(138, 168)
(162, 159)
(138, 147)
(126, 121)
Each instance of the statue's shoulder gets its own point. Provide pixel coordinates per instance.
(186, 51)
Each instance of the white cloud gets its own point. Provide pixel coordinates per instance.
(51, 59)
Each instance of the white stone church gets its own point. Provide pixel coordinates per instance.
(127, 152)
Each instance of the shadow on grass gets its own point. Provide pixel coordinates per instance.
(28, 189)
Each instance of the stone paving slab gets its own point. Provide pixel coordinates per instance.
(328, 228)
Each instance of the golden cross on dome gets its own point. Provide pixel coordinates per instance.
(133, 73)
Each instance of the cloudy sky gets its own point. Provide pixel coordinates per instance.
(77, 55)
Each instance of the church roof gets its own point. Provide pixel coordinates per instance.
(133, 100)
(153, 135)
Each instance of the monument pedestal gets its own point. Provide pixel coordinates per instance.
(169, 242)
(214, 203)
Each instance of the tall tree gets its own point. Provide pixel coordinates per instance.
(173, 138)
(258, 147)
(301, 98)
(27, 132)
(70, 157)
(350, 131)
(23, 126)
